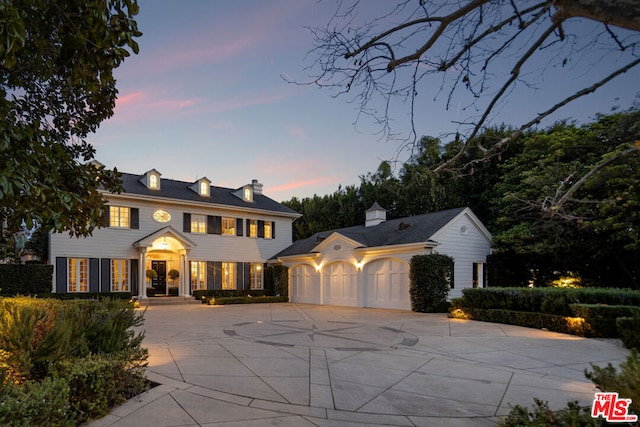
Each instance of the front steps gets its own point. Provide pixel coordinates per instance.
(162, 300)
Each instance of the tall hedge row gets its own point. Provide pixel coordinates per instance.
(25, 279)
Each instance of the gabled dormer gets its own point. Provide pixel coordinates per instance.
(151, 179)
(202, 187)
(247, 192)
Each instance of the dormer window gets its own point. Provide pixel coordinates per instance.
(151, 179)
(202, 187)
(248, 195)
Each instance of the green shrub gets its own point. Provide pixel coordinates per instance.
(280, 280)
(626, 382)
(66, 296)
(430, 278)
(100, 382)
(573, 415)
(25, 279)
(628, 331)
(552, 322)
(545, 300)
(245, 300)
(601, 319)
(44, 403)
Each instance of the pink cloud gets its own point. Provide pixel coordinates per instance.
(300, 184)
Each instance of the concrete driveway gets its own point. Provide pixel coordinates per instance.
(308, 365)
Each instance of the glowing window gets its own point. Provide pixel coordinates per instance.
(253, 228)
(119, 216)
(153, 182)
(267, 229)
(228, 275)
(119, 275)
(77, 275)
(247, 194)
(204, 188)
(198, 275)
(229, 226)
(198, 223)
(255, 275)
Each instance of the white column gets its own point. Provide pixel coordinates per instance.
(321, 285)
(142, 292)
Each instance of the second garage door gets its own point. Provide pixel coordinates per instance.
(387, 285)
(340, 284)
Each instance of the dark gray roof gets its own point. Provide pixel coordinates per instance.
(172, 189)
(413, 229)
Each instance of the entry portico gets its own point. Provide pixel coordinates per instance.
(165, 245)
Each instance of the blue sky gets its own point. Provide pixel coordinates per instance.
(206, 97)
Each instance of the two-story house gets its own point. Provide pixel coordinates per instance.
(214, 237)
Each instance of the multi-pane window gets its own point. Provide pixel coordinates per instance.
(229, 226)
(198, 275)
(119, 275)
(253, 228)
(198, 223)
(204, 188)
(119, 216)
(255, 275)
(228, 275)
(267, 229)
(77, 275)
(153, 182)
(247, 194)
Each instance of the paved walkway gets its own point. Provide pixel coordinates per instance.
(308, 365)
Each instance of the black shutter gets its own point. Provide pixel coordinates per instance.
(135, 218)
(217, 225)
(211, 272)
(260, 228)
(247, 275)
(105, 275)
(217, 281)
(273, 229)
(61, 275)
(239, 224)
(94, 275)
(239, 276)
(105, 214)
(186, 222)
(135, 291)
(248, 229)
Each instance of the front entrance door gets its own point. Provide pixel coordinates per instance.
(160, 282)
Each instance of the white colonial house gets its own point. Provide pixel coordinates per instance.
(368, 265)
(216, 238)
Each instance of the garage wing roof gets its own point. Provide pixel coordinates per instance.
(413, 229)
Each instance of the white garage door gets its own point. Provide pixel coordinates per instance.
(340, 284)
(387, 285)
(302, 285)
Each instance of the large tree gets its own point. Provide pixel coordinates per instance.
(478, 53)
(57, 59)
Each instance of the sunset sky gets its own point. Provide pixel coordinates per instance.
(206, 97)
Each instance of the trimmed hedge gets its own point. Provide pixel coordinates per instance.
(245, 300)
(628, 331)
(430, 279)
(125, 296)
(25, 279)
(545, 300)
(601, 319)
(552, 322)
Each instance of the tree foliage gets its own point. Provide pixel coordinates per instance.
(596, 236)
(474, 55)
(56, 86)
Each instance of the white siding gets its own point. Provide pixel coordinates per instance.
(466, 243)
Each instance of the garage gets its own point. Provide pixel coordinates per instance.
(387, 284)
(302, 285)
(340, 284)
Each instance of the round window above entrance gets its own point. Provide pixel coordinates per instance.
(162, 216)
